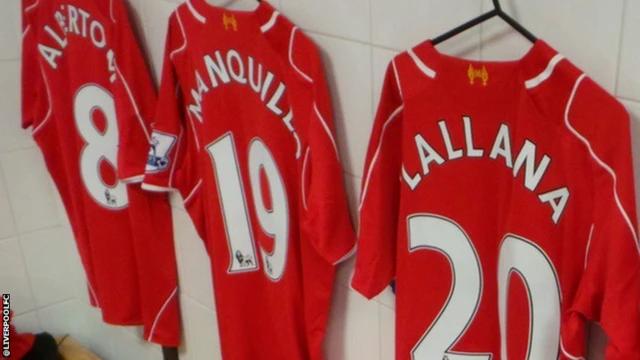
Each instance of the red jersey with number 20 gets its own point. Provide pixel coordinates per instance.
(500, 196)
(244, 131)
(88, 97)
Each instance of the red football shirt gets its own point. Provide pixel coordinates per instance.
(500, 197)
(244, 131)
(88, 97)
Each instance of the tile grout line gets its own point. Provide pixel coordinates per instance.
(352, 40)
(616, 80)
(13, 151)
(624, 98)
(59, 302)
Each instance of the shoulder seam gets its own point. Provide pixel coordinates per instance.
(305, 76)
(367, 176)
(599, 161)
(50, 110)
(184, 36)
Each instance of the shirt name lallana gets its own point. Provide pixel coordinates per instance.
(223, 69)
(74, 21)
(523, 160)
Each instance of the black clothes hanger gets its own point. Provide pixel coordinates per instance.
(497, 11)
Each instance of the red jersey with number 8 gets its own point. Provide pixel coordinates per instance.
(500, 197)
(88, 98)
(244, 131)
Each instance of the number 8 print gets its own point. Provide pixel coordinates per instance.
(99, 146)
(517, 255)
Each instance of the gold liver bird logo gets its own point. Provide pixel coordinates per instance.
(229, 21)
(481, 74)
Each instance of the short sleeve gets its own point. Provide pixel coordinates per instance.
(167, 151)
(326, 209)
(134, 95)
(609, 291)
(380, 196)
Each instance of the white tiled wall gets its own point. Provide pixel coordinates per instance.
(357, 38)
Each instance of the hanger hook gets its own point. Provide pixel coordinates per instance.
(496, 5)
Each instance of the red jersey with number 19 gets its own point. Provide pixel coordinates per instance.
(89, 99)
(500, 196)
(244, 131)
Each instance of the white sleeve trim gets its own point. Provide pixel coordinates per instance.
(395, 72)
(543, 76)
(24, 33)
(304, 178)
(173, 165)
(32, 6)
(586, 253)
(155, 322)
(599, 161)
(375, 155)
(421, 65)
(133, 179)
(193, 192)
(272, 21)
(111, 11)
(156, 188)
(326, 128)
(195, 13)
(95, 297)
(566, 353)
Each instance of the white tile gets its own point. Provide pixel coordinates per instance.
(137, 331)
(95, 334)
(176, 200)
(387, 298)
(128, 346)
(156, 354)
(345, 271)
(13, 277)
(203, 328)
(29, 190)
(187, 349)
(27, 323)
(381, 59)
(64, 318)
(12, 136)
(10, 31)
(597, 343)
(353, 329)
(194, 269)
(7, 225)
(47, 254)
(634, 111)
(348, 71)
(156, 16)
(404, 24)
(585, 31)
(629, 73)
(347, 19)
(387, 333)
